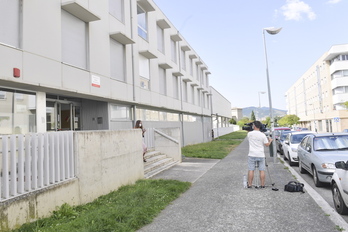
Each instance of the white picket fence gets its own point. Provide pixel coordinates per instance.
(35, 161)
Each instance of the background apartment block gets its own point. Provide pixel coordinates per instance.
(101, 65)
(318, 96)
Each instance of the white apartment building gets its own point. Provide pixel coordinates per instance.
(101, 65)
(317, 97)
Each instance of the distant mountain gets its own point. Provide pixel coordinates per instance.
(262, 113)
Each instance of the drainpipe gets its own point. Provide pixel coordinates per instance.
(132, 49)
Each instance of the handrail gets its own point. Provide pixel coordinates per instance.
(166, 136)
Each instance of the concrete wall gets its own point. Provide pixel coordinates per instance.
(169, 147)
(105, 161)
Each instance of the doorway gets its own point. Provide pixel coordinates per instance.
(62, 115)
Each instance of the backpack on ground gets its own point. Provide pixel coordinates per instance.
(294, 186)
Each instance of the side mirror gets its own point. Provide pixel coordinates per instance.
(308, 149)
(341, 165)
(287, 142)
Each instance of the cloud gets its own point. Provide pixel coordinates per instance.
(333, 1)
(295, 9)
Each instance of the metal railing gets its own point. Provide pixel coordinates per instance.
(34, 161)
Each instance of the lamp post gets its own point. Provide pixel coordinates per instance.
(261, 92)
(271, 31)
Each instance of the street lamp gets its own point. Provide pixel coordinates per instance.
(271, 31)
(261, 92)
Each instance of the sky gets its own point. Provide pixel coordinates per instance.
(228, 37)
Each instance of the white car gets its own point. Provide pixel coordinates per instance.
(290, 144)
(339, 187)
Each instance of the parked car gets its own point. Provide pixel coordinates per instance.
(317, 154)
(277, 132)
(339, 187)
(290, 145)
(280, 141)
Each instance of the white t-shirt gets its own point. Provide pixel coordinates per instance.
(257, 141)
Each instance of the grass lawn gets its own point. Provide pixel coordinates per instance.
(133, 206)
(127, 209)
(216, 149)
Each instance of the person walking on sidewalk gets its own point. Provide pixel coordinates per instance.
(257, 141)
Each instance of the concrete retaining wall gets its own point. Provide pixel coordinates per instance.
(105, 160)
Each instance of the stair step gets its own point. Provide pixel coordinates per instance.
(150, 154)
(157, 164)
(160, 169)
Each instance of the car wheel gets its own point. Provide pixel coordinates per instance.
(340, 206)
(316, 180)
(302, 170)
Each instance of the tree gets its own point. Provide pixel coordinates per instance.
(289, 120)
(243, 121)
(233, 121)
(252, 117)
(345, 104)
(267, 122)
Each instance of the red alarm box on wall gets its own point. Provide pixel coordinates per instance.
(16, 72)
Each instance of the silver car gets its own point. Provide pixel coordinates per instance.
(290, 145)
(339, 187)
(318, 153)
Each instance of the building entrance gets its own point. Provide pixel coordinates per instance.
(62, 115)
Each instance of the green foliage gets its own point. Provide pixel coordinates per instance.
(252, 117)
(289, 120)
(127, 209)
(243, 121)
(216, 149)
(233, 121)
(267, 122)
(345, 104)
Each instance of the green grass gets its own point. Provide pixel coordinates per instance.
(133, 206)
(127, 209)
(216, 149)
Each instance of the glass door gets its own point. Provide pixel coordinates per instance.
(62, 115)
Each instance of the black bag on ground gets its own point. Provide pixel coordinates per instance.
(294, 186)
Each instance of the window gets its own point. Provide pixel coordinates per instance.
(184, 91)
(162, 81)
(175, 87)
(116, 9)
(191, 67)
(340, 90)
(118, 112)
(198, 72)
(142, 23)
(18, 112)
(144, 72)
(10, 14)
(117, 60)
(74, 40)
(199, 98)
(160, 39)
(183, 59)
(193, 94)
(173, 49)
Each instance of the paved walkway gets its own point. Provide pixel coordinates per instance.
(217, 200)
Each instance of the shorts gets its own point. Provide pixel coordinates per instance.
(252, 163)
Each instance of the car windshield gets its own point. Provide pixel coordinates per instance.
(328, 143)
(297, 138)
(284, 134)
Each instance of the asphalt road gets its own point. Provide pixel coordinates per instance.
(324, 191)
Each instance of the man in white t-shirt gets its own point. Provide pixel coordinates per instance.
(257, 141)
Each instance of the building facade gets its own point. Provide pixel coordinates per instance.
(100, 65)
(317, 97)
